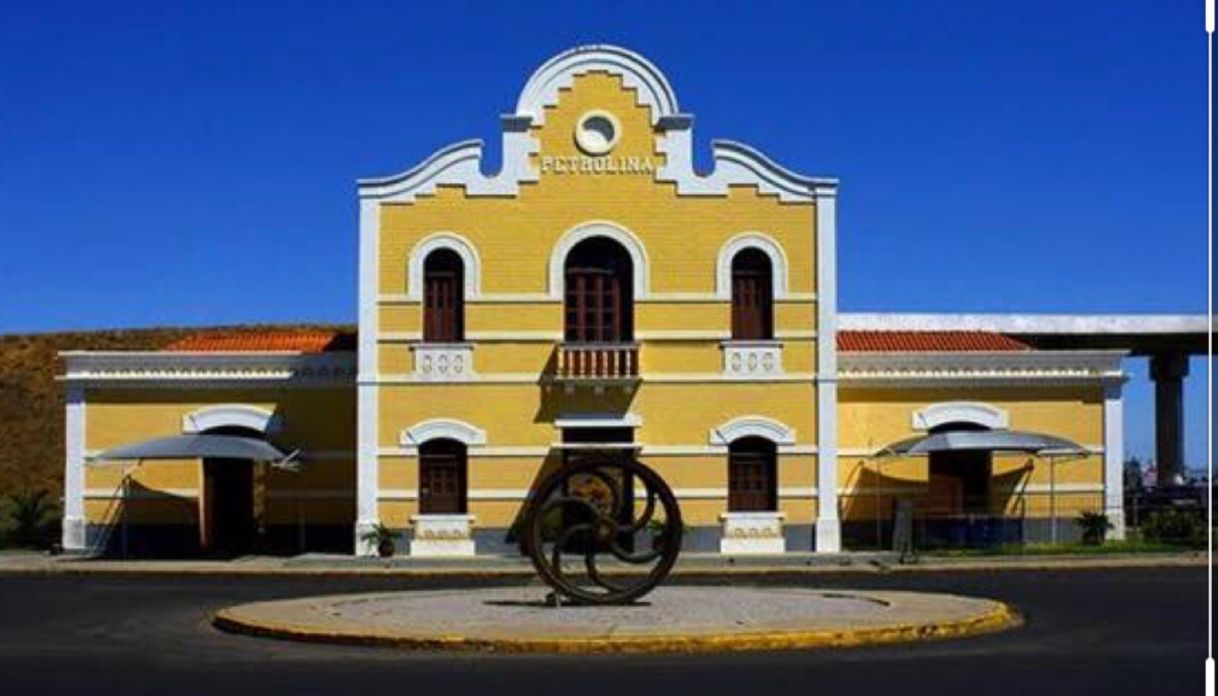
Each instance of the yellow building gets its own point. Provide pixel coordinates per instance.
(596, 294)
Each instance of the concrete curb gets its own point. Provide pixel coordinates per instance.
(43, 566)
(999, 617)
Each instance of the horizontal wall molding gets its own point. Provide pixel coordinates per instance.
(656, 336)
(488, 378)
(871, 452)
(539, 451)
(541, 298)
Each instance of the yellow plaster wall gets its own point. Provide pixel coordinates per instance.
(318, 420)
(871, 418)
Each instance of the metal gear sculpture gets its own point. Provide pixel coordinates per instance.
(587, 510)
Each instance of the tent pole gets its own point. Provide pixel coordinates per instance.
(1052, 500)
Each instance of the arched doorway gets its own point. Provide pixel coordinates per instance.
(228, 523)
(598, 301)
(442, 477)
(959, 480)
(752, 475)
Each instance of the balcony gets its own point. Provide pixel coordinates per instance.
(597, 364)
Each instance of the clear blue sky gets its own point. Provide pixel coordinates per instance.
(182, 163)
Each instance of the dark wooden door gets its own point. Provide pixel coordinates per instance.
(229, 488)
(751, 479)
(959, 483)
(442, 479)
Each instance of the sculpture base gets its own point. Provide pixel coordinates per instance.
(670, 619)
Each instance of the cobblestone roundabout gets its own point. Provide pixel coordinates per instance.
(678, 619)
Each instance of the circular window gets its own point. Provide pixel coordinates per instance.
(597, 132)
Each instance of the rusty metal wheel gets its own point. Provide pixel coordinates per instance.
(586, 528)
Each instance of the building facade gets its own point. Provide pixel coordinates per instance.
(595, 294)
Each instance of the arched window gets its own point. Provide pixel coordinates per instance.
(752, 296)
(598, 301)
(442, 477)
(443, 297)
(752, 481)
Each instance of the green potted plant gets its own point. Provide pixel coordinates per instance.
(1094, 526)
(384, 538)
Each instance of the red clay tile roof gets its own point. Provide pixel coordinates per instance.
(927, 341)
(304, 341)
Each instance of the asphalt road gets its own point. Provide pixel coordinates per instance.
(1133, 631)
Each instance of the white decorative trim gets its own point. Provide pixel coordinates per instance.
(471, 264)
(1019, 324)
(974, 412)
(460, 164)
(207, 368)
(585, 138)
(492, 378)
(1114, 460)
(442, 536)
(541, 298)
(747, 533)
(598, 228)
(651, 87)
(657, 335)
(598, 420)
(828, 524)
(367, 478)
(447, 362)
(442, 428)
(868, 452)
(73, 537)
(751, 240)
(983, 367)
(752, 358)
(230, 415)
(752, 426)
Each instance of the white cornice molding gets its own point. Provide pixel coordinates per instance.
(973, 367)
(202, 368)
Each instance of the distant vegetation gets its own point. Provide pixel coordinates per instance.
(32, 416)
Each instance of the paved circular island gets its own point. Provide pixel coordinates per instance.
(670, 619)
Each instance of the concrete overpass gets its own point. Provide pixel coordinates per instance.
(1166, 339)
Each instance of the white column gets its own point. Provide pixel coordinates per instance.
(1114, 460)
(367, 487)
(74, 536)
(828, 526)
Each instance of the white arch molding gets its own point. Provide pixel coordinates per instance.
(973, 412)
(472, 270)
(230, 416)
(751, 240)
(752, 426)
(588, 230)
(638, 73)
(442, 428)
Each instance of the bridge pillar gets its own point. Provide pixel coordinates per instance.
(1168, 371)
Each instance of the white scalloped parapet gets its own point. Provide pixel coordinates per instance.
(461, 164)
(636, 72)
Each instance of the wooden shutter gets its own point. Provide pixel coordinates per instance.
(752, 297)
(443, 298)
